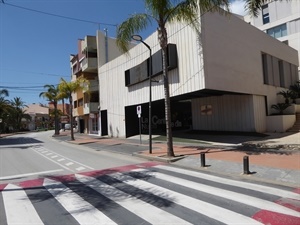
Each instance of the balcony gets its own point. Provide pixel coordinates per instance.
(90, 107)
(94, 86)
(89, 44)
(89, 65)
(75, 112)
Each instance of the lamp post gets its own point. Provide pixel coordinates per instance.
(140, 39)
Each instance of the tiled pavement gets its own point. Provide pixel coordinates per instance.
(277, 159)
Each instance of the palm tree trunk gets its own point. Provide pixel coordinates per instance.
(164, 43)
(71, 117)
(56, 132)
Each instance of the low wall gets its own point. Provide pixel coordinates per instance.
(297, 108)
(280, 123)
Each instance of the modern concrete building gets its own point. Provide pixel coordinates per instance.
(223, 79)
(281, 20)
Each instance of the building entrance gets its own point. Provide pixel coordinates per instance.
(181, 117)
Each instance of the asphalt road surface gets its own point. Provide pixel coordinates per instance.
(44, 181)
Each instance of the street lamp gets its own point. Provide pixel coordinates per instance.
(140, 39)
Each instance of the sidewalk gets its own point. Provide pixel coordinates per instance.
(274, 159)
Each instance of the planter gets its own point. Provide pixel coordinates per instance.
(297, 108)
(280, 123)
(291, 110)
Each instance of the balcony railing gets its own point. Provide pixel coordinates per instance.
(94, 86)
(90, 107)
(89, 65)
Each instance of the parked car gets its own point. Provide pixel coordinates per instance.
(67, 126)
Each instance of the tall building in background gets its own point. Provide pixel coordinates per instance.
(93, 52)
(281, 20)
(85, 103)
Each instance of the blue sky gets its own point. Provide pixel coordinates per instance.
(35, 48)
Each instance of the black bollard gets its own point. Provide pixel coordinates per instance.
(202, 156)
(246, 165)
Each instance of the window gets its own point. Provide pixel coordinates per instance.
(277, 32)
(281, 73)
(80, 102)
(265, 14)
(265, 68)
(277, 72)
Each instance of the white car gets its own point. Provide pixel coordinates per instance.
(67, 126)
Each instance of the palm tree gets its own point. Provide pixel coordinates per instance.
(253, 6)
(52, 95)
(4, 104)
(163, 12)
(66, 89)
(3, 93)
(295, 88)
(280, 107)
(17, 113)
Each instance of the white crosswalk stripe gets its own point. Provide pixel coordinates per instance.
(132, 203)
(218, 213)
(82, 211)
(18, 208)
(245, 199)
(138, 194)
(255, 187)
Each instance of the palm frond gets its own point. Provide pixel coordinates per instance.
(134, 24)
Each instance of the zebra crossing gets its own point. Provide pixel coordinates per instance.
(146, 193)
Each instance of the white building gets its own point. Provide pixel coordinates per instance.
(222, 80)
(281, 20)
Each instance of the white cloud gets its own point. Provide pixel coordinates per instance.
(238, 7)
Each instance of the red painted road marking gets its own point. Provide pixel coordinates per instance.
(290, 203)
(32, 183)
(71, 177)
(297, 190)
(2, 186)
(273, 218)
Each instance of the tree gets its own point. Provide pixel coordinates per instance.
(3, 102)
(4, 105)
(52, 95)
(287, 95)
(17, 113)
(66, 89)
(295, 88)
(163, 12)
(253, 6)
(280, 107)
(3, 93)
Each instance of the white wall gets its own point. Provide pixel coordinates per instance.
(230, 113)
(232, 62)
(232, 56)
(281, 12)
(280, 123)
(188, 77)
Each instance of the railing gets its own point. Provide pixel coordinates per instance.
(90, 107)
(89, 65)
(94, 86)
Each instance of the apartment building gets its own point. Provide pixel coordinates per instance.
(93, 51)
(221, 79)
(85, 105)
(280, 20)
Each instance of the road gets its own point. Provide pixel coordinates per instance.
(44, 181)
